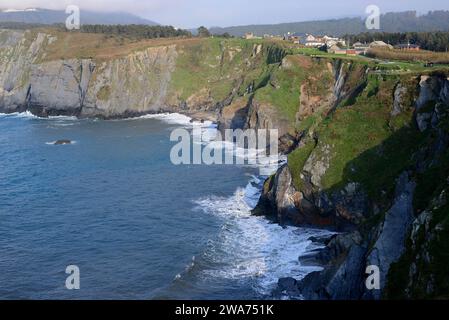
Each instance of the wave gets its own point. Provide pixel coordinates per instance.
(252, 249)
(28, 115)
(178, 119)
(254, 158)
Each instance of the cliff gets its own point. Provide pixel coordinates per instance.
(367, 145)
(373, 166)
(89, 75)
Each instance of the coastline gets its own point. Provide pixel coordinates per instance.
(250, 196)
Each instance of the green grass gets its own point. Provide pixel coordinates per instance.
(296, 161)
(365, 148)
(391, 67)
(433, 270)
(214, 64)
(285, 96)
(283, 90)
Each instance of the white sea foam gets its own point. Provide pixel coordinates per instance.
(28, 115)
(255, 158)
(25, 114)
(167, 117)
(252, 248)
(209, 127)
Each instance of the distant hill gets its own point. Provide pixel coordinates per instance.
(45, 16)
(407, 21)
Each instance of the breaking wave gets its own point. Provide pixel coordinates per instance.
(178, 119)
(29, 115)
(252, 249)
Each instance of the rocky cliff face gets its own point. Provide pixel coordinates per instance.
(150, 80)
(390, 230)
(367, 151)
(134, 84)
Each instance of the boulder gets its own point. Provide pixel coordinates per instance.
(62, 142)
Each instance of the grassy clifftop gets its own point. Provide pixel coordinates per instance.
(347, 123)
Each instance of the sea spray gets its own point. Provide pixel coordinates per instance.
(252, 249)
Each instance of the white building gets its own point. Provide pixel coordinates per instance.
(317, 42)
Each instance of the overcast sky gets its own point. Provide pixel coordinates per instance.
(192, 13)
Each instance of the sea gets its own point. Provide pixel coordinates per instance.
(135, 225)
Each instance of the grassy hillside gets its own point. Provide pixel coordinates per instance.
(100, 47)
(213, 64)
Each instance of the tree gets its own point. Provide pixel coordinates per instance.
(203, 32)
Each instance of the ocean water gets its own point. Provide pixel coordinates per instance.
(137, 226)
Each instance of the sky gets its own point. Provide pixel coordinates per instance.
(193, 13)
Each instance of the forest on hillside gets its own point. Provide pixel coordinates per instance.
(137, 31)
(408, 21)
(433, 41)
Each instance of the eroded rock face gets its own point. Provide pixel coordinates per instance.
(132, 85)
(342, 278)
(234, 115)
(59, 87)
(433, 99)
(279, 195)
(429, 91)
(17, 57)
(265, 116)
(135, 84)
(399, 93)
(317, 164)
(284, 193)
(390, 244)
(350, 206)
(418, 282)
(346, 256)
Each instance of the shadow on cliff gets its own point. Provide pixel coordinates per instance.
(367, 185)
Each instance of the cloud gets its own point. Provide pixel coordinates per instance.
(192, 13)
(133, 6)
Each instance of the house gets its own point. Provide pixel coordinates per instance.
(293, 37)
(314, 42)
(336, 50)
(273, 37)
(380, 44)
(361, 48)
(318, 42)
(408, 47)
(351, 52)
(327, 39)
(331, 43)
(250, 35)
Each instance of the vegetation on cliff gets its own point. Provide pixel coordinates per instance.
(133, 31)
(351, 126)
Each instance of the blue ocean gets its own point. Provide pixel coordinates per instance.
(137, 226)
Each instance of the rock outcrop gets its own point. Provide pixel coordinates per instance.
(433, 91)
(390, 244)
(131, 84)
(359, 142)
(386, 231)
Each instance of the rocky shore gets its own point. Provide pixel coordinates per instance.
(367, 149)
